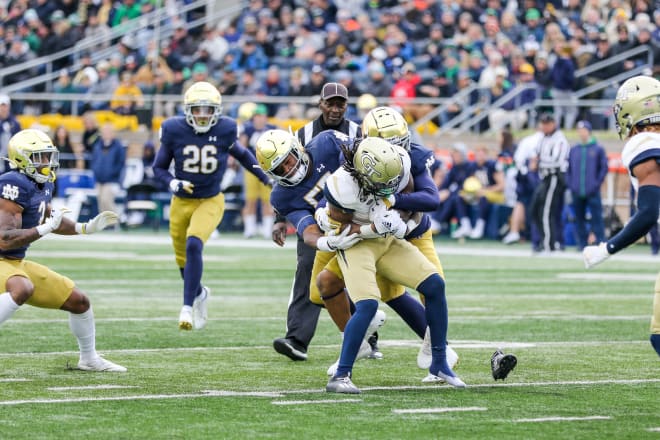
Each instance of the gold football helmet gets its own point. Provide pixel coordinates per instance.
(389, 124)
(202, 105)
(33, 153)
(378, 166)
(246, 111)
(637, 103)
(281, 156)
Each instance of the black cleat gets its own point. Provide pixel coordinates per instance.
(290, 349)
(502, 364)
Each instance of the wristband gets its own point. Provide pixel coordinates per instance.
(44, 229)
(81, 228)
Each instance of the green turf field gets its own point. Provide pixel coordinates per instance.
(585, 367)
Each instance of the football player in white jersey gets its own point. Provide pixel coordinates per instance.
(637, 115)
(355, 193)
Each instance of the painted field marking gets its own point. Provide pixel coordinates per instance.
(92, 387)
(653, 429)
(14, 379)
(562, 419)
(607, 276)
(438, 410)
(279, 394)
(313, 402)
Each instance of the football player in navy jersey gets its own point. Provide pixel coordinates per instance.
(637, 116)
(199, 144)
(26, 191)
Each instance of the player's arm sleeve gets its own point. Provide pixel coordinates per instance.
(424, 198)
(249, 162)
(648, 207)
(162, 162)
(301, 220)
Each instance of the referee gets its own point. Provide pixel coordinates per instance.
(302, 314)
(548, 199)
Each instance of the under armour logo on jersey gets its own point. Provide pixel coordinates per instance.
(10, 192)
(213, 138)
(320, 168)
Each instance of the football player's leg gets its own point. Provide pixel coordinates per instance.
(327, 288)
(18, 289)
(655, 321)
(354, 333)
(249, 214)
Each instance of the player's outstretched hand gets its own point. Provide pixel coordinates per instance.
(100, 222)
(278, 233)
(53, 222)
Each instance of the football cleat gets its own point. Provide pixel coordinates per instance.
(440, 377)
(186, 318)
(100, 364)
(290, 349)
(200, 309)
(502, 364)
(372, 336)
(373, 344)
(342, 385)
(425, 356)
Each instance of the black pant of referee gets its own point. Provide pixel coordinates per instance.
(546, 207)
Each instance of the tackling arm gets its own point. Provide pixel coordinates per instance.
(249, 162)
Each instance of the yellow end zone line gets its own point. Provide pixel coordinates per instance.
(284, 393)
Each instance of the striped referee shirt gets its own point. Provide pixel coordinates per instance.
(312, 128)
(552, 152)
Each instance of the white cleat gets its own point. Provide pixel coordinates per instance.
(454, 381)
(363, 353)
(100, 364)
(425, 356)
(186, 318)
(200, 309)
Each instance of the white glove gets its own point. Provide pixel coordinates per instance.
(323, 220)
(53, 222)
(342, 240)
(390, 222)
(594, 255)
(177, 185)
(98, 223)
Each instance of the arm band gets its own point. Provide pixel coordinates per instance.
(648, 208)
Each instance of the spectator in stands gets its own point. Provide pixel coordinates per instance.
(317, 79)
(63, 86)
(489, 73)
(9, 126)
(173, 59)
(107, 162)
(603, 52)
(623, 44)
(275, 87)
(97, 30)
(644, 36)
(70, 154)
(533, 25)
(126, 10)
(106, 84)
(298, 87)
(248, 56)
(127, 97)
(378, 84)
(146, 74)
(587, 169)
(405, 90)
(563, 83)
(183, 44)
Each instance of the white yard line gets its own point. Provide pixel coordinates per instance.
(611, 276)
(438, 410)
(653, 429)
(313, 402)
(277, 394)
(91, 387)
(13, 379)
(562, 419)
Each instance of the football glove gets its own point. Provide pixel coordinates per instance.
(594, 255)
(98, 223)
(502, 364)
(177, 185)
(53, 222)
(390, 222)
(343, 240)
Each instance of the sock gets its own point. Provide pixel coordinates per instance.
(354, 334)
(7, 307)
(655, 342)
(181, 271)
(192, 273)
(250, 225)
(411, 311)
(266, 226)
(82, 327)
(433, 289)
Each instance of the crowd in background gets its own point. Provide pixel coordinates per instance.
(397, 49)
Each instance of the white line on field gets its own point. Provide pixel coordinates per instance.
(277, 394)
(438, 410)
(313, 402)
(653, 429)
(91, 387)
(384, 343)
(562, 419)
(14, 379)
